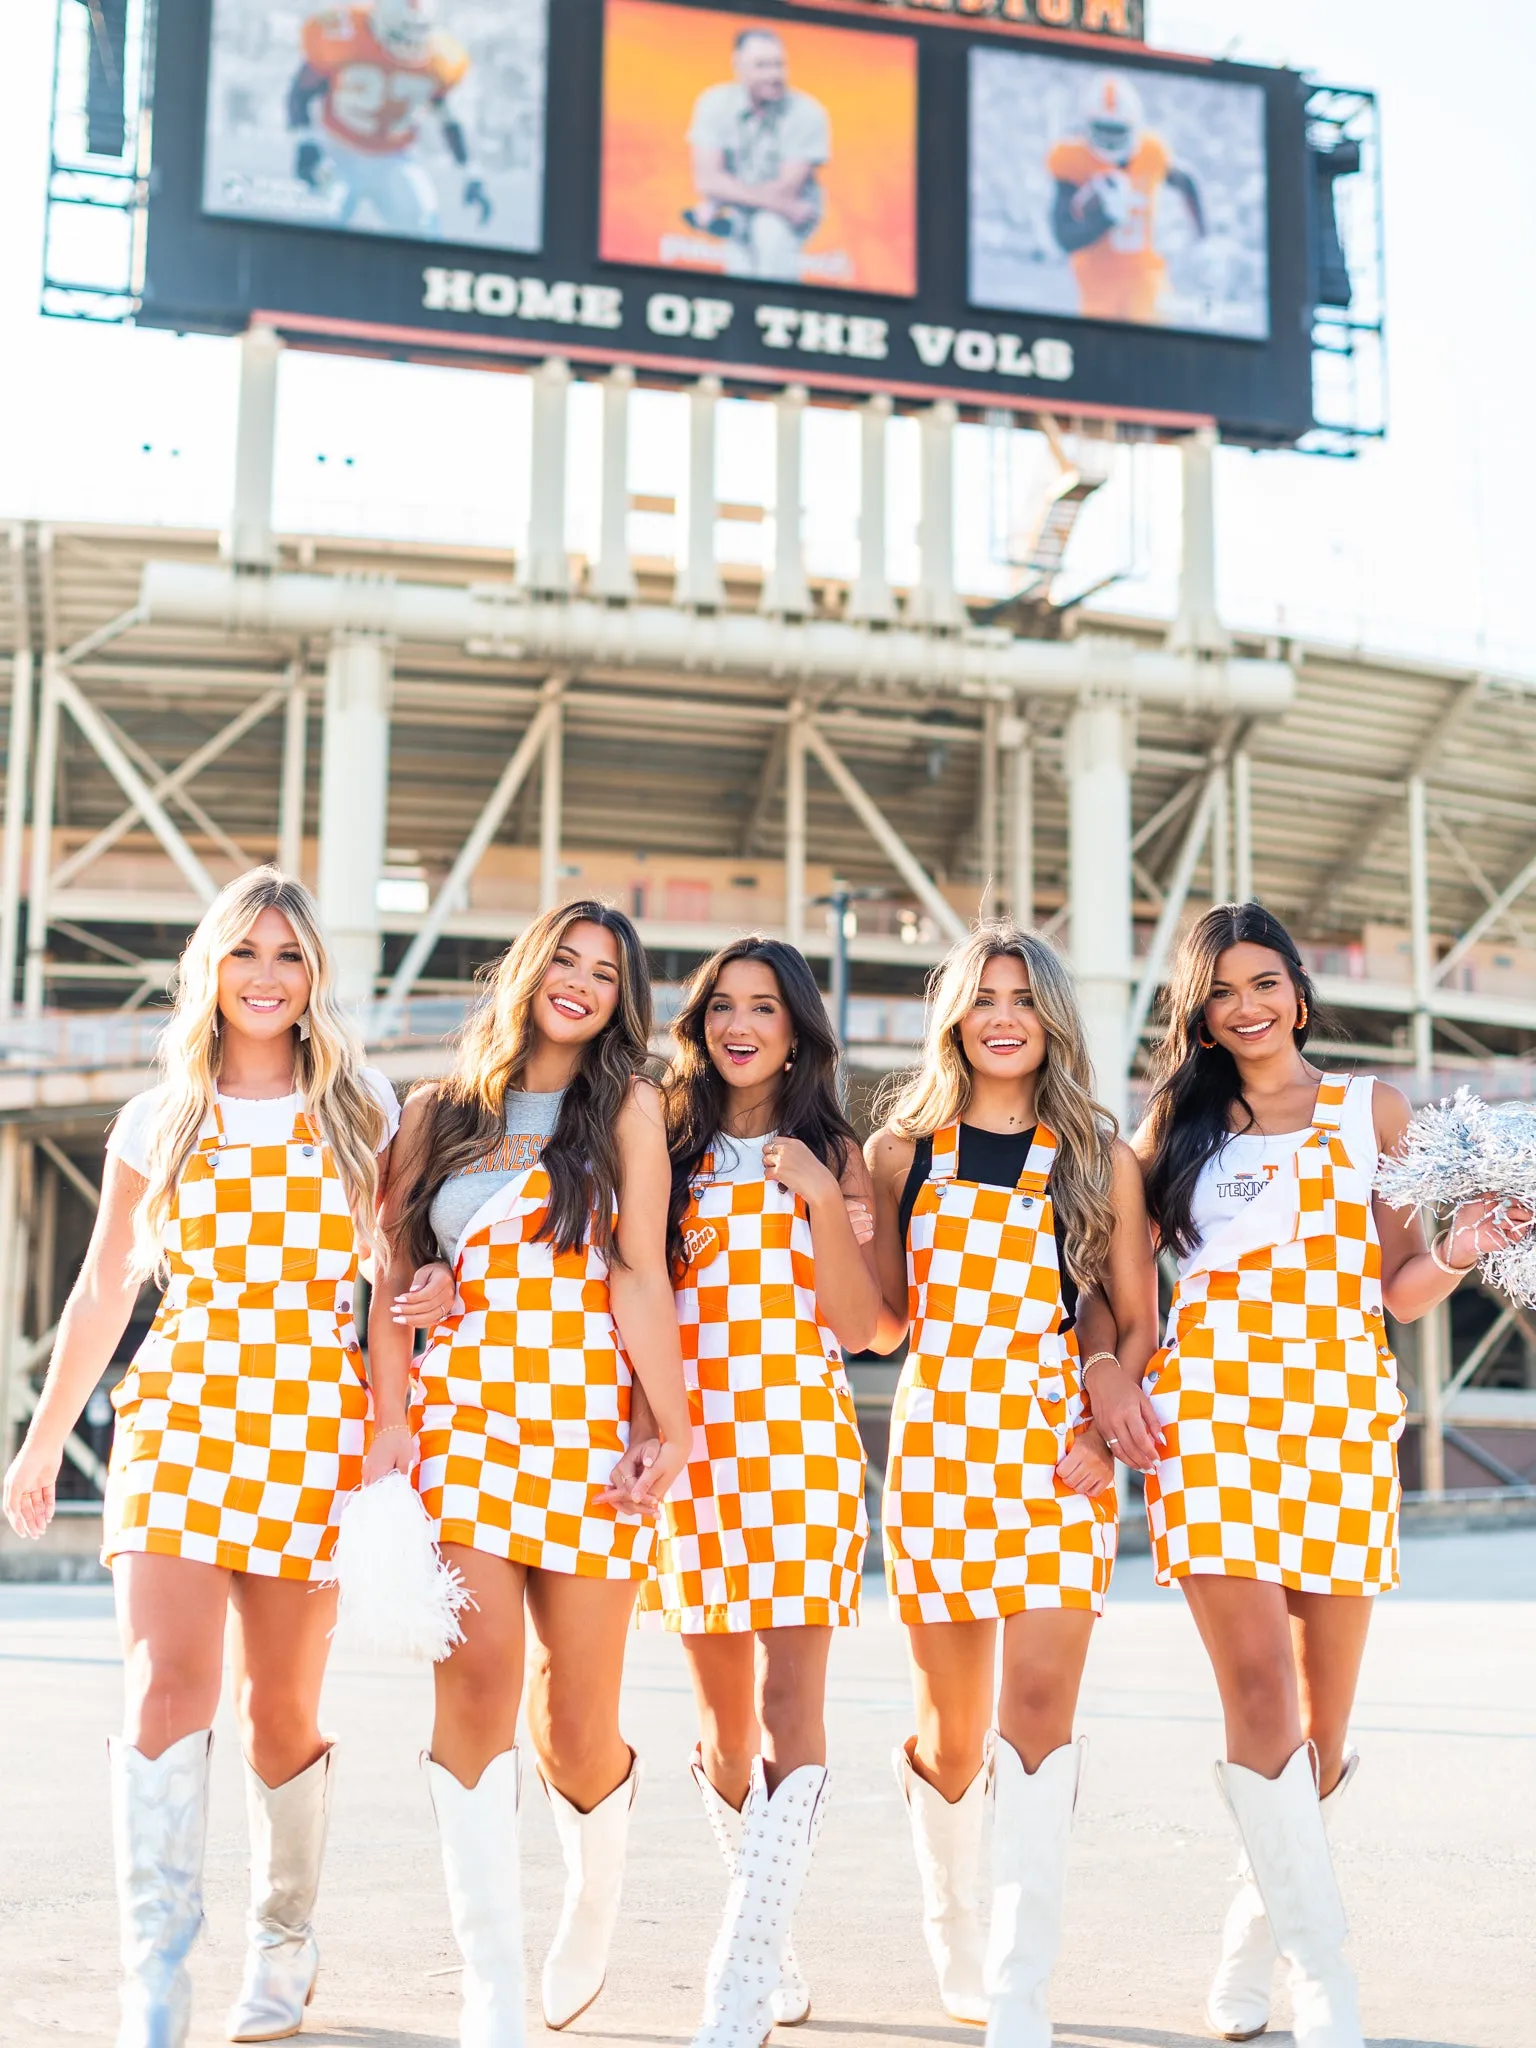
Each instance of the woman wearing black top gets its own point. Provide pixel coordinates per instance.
(1000, 1187)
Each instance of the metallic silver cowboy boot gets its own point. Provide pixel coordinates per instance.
(287, 1824)
(159, 1826)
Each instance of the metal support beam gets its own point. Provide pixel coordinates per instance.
(1221, 839)
(12, 1282)
(1434, 1358)
(250, 544)
(987, 809)
(455, 887)
(1014, 739)
(766, 794)
(18, 756)
(97, 730)
(698, 581)
(1419, 932)
(871, 598)
(614, 577)
(935, 601)
(354, 807)
(1491, 916)
(548, 572)
(44, 777)
(290, 801)
(785, 590)
(86, 1189)
(1175, 897)
(1100, 746)
(885, 835)
(551, 794)
(1242, 825)
(1197, 629)
(794, 824)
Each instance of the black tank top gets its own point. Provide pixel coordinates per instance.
(994, 1159)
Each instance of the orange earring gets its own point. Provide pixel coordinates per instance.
(1301, 1021)
(1208, 1043)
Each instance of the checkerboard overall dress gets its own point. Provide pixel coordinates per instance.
(1277, 1390)
(521, 1406)
(766, 1527)
(976, 1523)
(240, 1422)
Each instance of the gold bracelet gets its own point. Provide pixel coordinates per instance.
(389, 1428)
(1098, 1358)
(1444, 1264)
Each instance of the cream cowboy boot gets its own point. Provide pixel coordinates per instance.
(287, 1824)
(792, 1999)
(478, 1830)
(1281, 1824)
(1238, 2006)
(778, 1840)
(159, 1826)
(1031, 1827)
(947, 1838)
(593, 1846)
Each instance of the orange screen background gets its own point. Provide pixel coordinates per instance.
(658, 59)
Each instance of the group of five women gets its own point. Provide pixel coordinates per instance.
(636, 1300)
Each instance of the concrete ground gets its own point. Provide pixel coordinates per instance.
(1435, 1850)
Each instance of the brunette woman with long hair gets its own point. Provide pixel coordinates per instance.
(1274, 1502)
(538, 1167)
(1001, 1192)
(762, 1539)
(244, 1184)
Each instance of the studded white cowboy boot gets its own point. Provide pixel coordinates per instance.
(778, 1840)
(946, 1836)
(1238, 2006)
(287, 1826)
(159, 1826)
(477, 1826)
(1281, 1824)
(593, 1846)
(1031, 1827)
(792, 1999)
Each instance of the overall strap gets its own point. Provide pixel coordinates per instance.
(304, 1132)
(946, 1154)
(1329, 1112)
(217, 1140)
(1037, 1167)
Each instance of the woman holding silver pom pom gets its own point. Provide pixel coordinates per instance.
(1274, 1500)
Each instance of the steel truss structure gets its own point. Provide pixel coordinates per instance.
(444, 740)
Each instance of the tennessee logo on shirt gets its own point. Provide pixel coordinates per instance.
(1246, 1185)
(517, 1150)
(701, 1243)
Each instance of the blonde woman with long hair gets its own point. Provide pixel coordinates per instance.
(539, 1168)
(1001, 1193)
(245, 1184)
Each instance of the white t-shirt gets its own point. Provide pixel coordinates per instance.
(738, 1159)
(246, 1122)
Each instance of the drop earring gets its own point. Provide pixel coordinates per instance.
(304, 1028)
(791, 1060)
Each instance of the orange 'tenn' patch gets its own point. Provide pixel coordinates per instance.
(702, 1242)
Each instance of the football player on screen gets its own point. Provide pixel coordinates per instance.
(1108, 180)
(375, 68)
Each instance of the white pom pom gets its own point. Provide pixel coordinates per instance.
(397, 1595)
(1458, 1150)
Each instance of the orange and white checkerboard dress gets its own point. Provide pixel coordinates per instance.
(240, 1423)
(521, 1406)
(976, 1522)
(766, 1527)
(1277, 1390)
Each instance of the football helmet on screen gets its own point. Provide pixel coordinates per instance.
(1113, 117)
(403, 26)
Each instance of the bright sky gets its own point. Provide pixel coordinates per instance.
(1420, 544)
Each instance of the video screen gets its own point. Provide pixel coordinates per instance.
(417, 118)
(1113, 194)
(759, 149)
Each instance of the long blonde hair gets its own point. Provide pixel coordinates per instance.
(327, 1065)
(923, 1102)
(468, 1112)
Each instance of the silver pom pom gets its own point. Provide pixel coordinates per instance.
(1454, 1151)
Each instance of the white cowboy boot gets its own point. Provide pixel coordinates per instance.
(947, 1838)
(1238, 2006)
(778, 1840)
(287, 1824)
(478, 1831)
(159, 1826)
(1281, 1824)
(593, 1846)
(1031, 1826)
(792, 2000)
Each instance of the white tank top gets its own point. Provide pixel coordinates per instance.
(1232, 1177)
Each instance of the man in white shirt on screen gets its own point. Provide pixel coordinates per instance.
(757, 146)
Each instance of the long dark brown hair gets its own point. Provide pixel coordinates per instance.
(1197, 1086)
(808, 1107)
(468, 1115)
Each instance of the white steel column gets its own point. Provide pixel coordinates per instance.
(354, 804)
(551, 792)
(12, 1282)
(1013, 737)
(1198, 628)
(1221, 838)
(45, 767)
(290, 806)
(698, 581)
(1242, 825)
(613, 576)
(934, 602)
(871, 598)
(19, 749)
(794, 825)
(548, 570)
(250, 543)
(987, 809)
(1434, 1329)
(785, 589)
(1100, 744)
